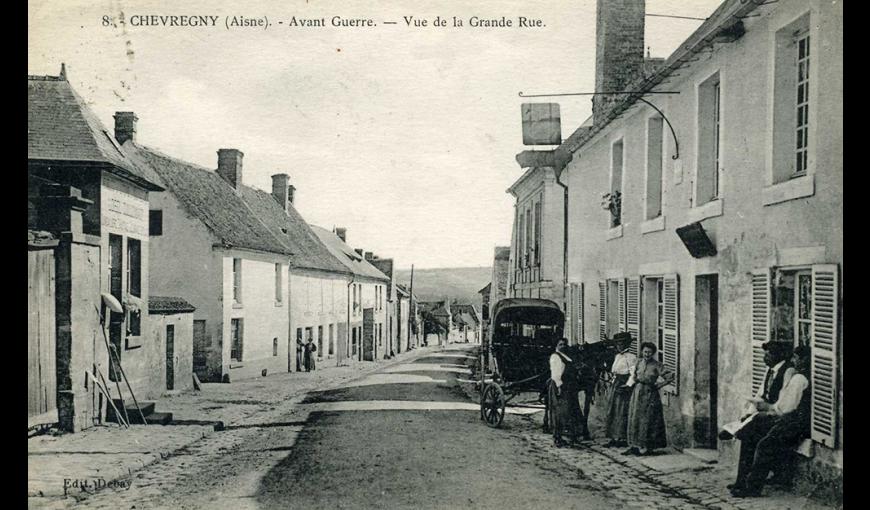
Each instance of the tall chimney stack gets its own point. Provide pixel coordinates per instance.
(291, 193)
(368, 256)
(618, 50)
(359, 251)
(341, 232)
(280, 190)
(125, 126)
(230, 166)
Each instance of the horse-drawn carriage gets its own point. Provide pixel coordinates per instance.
(523, 335)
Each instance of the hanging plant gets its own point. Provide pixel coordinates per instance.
(132, 303)
(610, 201)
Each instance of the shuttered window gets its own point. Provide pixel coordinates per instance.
(632, 312)
(576, 312)
(602, 310)
(760, 326)
(620, 304)
(671, 326)
(825, 361)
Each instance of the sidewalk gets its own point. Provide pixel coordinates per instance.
(103, 454)
(692, 479)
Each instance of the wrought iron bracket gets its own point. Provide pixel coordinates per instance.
(673, 133)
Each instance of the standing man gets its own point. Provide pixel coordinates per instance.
(563, 395)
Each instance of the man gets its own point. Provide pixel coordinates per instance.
(791, 425)
(310, 349)
(564, 391)
(779, 371)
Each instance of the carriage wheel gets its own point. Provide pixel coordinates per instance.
(492, 404)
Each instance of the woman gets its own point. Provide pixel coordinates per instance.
(310, 349)
(646, 420)
(623, 366)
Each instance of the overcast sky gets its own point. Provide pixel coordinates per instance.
(405, 136)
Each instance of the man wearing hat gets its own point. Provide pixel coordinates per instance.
(777, 356)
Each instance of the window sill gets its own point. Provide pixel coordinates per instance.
(653, 225)
(278, 304)
(614, 232)
(799, 187)
(237, 305)
(238, 364)
(711, 209)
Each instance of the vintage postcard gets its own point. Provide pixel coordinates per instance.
(435, 255)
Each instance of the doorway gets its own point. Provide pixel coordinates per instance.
(368, 347)
(170, 356)
(706, 360)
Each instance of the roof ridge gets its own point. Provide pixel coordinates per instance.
(281, 242)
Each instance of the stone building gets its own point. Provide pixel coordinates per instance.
(712, 222)
(367, 309)
(84, 188)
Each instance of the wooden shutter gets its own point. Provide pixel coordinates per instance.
(632, 312)
(825, 296)
(578, 299)
(602, 310)
(760, 326)
(620, 298)
(671, 328)
(572, 312)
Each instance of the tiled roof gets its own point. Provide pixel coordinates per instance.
(61, 127)
(485, 289)
(209, 198)
(502, 253)
(344, 253)
(436, 308)
(165, 304)
(309, 252)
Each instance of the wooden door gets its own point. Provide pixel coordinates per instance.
(368, 350)
(170, 356)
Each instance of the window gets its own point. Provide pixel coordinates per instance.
(237, 281)
(275, 346)
(659, 321)
(353, 340)
(576, 293)
(792, 101)
(708, 167)
(155, 222)
(134, 324)
(319, 341)
(660, 318)
(236, 337)
(616, 162)
(279, 287)
(801, 305)
(116, 266)
(653, 168)
(521, 260)
(134, 267)
(331, 339)
(529, 237)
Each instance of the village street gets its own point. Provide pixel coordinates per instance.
(406, 435)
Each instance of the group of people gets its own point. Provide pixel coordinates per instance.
(305, 355)
(777, 418)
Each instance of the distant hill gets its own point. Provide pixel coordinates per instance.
(455, 283)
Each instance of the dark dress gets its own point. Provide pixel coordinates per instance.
(646, 419)
(617, 409)
(310, 348)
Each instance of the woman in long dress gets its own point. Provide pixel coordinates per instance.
(646, 419)
(623, 366)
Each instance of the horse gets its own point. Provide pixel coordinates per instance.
(592, 363)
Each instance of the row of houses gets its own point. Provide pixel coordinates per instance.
(701, 209)
(446, 322)
(213, 277)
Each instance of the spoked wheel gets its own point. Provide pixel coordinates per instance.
(492, 404)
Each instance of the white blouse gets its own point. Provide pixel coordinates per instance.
(624, 363)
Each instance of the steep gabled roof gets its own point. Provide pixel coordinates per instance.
(61, 127)
(309, 252)
(210, 199)
(344, 253)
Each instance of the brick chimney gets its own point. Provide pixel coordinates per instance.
(125, 126)
(359, 251)
(618, 49)
(230, 166)
(341, 232)
(281, 190)
(291, 193)
(368, 256)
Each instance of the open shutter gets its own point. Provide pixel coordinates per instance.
(632, 312)
(621, 304)
(602, 310)
(671, 326)
(825, 295)
(578, 323)
(760, 327)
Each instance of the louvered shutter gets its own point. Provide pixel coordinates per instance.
(632, 312)
(825, 295)
(602, 310)
(760, 326)
(578, 303)
(571, 316)
(621, 304)
(671, 327)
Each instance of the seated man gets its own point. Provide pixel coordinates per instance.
(790, 424)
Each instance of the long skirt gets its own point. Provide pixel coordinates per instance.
(566, 414)
(646, 419)
(617, 409)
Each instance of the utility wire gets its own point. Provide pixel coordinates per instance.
(677, 17)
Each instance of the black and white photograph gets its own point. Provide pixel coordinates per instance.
(427, 255)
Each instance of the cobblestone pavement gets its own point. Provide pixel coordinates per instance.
(257, 414)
